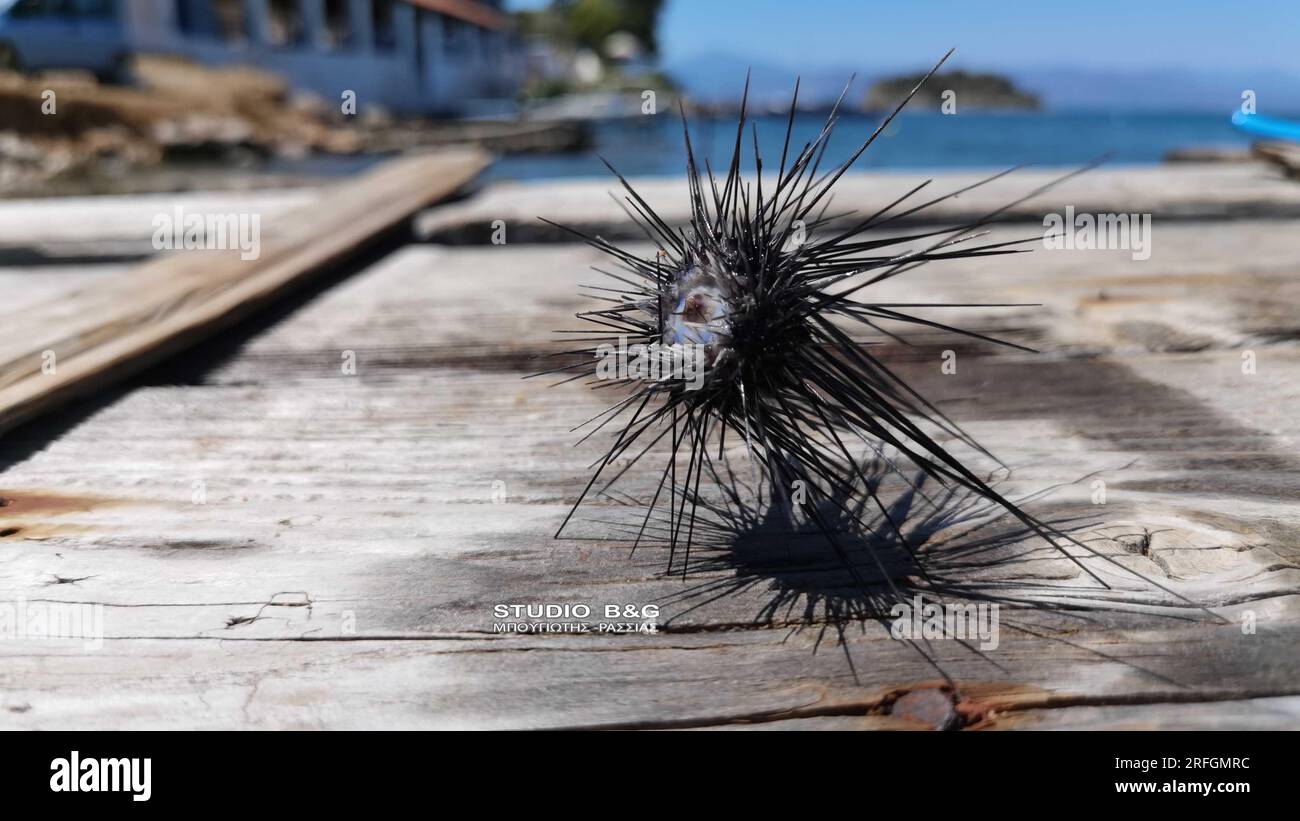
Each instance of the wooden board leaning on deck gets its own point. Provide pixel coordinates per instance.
(111, 329)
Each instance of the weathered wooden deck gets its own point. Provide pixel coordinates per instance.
(352, 542)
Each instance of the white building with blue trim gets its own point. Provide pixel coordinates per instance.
(411, 56)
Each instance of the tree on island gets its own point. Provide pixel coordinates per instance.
(969, 91)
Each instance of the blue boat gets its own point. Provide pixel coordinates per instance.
(1267, 128)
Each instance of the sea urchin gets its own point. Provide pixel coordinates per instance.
(759, 292)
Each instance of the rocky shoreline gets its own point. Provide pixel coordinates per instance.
(181, 127)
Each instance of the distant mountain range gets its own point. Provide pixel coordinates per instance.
(719, 78)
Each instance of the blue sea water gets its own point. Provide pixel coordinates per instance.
(654, 146)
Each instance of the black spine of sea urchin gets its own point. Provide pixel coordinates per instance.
(763, 288)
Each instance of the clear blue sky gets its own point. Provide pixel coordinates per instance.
(1196, 34)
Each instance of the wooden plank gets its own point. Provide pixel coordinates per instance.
(1193, 191)
(725, 678)
(1184, 192)
(343, 567)
(91, 221)
(118, 327)
(23, 287)
(1286, 156)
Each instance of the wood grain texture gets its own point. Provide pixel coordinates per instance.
(1186, 192)
(91, 222)
(344, 564)
(116, 327)
(1285, 156)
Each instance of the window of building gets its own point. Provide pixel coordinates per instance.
(187, 17)
(338, 23)
(381, 18)
(285, 23)
(456, 36)
(97, 9)
(232, 20)
(24, 9)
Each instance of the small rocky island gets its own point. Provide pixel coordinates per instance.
(984, 92)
